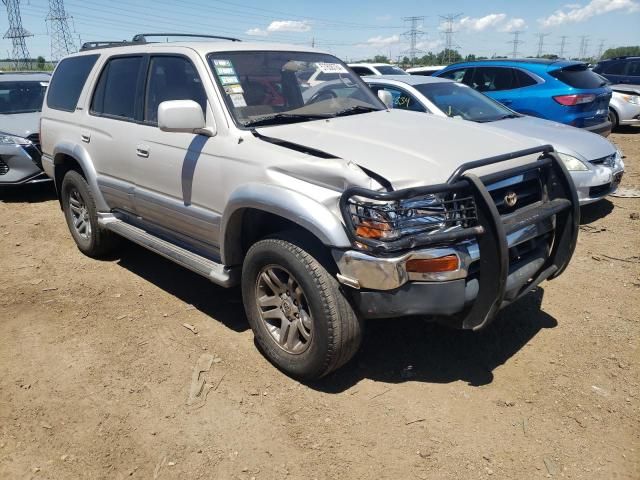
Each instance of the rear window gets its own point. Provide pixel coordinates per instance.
(578, 76)
(67, 82)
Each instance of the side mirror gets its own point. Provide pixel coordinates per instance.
(183, 116)
(386, 98)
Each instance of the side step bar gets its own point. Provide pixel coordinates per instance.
(215, 272)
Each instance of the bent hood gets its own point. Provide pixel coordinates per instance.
(20, 124)
(406, 148)
(564, 138)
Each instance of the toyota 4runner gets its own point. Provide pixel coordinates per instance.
(326, 207)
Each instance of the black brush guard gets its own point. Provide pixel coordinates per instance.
(559, 200)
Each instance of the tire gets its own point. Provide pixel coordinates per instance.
(77, 201)
(613, 118)
(334, 331)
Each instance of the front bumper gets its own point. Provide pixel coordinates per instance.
(498, 263)
(598, 182)
(18, 167)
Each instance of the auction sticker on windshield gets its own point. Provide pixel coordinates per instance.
(228, 79)
(231, 89)
(331, 67)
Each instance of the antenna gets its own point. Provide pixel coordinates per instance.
(515, 42)
(563, 44)
(449, 21)
(413, 34)
(541, 42)
(17, 34)
(62, 43)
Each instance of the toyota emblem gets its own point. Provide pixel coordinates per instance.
(510, 199)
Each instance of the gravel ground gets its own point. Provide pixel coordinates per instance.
(96, 371)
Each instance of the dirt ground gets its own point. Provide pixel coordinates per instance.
(96, 369)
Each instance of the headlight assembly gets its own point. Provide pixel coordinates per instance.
(635, 99)
(6, 139)
(572, 163)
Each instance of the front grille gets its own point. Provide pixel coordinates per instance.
(4, 168)
(524, 192)
(599, 190)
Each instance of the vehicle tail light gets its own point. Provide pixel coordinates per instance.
(575, 99)
(448, 263)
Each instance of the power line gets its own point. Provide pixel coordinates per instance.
(541, 42)
(17, 34)
(413, 34)
(62, 43)
(563, 44)
(449, 21)
(515, 42)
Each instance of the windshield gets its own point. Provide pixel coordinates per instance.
(458, 100)
(390, 70)
(21, 97)
(270, 88)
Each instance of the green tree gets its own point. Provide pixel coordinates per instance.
(621, 51)
(381, 59)
(449, 56)
(41, 63)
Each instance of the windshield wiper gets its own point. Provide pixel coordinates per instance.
(354, 110)
(509, 115)
(280, 118)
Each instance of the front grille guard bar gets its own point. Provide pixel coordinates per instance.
(490, 233)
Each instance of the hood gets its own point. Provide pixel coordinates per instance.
(564, 138)
(20, 124)
(406, 148)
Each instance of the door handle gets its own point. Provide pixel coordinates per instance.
(142, 151)
(85, 137)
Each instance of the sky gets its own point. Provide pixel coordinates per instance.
(351, 29)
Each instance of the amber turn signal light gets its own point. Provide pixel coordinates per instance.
(448, 263)
(372, 229)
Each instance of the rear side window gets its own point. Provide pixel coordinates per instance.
(492, 79)
(633, 68)
(610, 68)
(362, 71)
(67, 82)
(578, 76)
(115, 94)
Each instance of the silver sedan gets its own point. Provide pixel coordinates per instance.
(595, 164)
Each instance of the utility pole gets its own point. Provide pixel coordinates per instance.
(17, 34)
(62, 43)
(413, 34)
(515, 42)
(563, 44)
(541, 42)
(449, 46)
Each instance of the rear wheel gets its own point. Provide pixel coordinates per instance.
(82, 217)
(300, 318)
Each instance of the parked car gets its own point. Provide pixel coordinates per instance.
(624, 108)
(327, 211)
(364, 69)
(559, 90)
(425, 71)
(21, 96)
(595, 164)
(620, 70)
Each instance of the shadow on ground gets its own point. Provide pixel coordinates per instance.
(595, 211)
(29, 193)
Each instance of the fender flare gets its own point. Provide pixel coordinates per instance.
(309, 214)
(80, 155)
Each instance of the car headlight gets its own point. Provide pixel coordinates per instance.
(572, 163)
(635, 99)
(6, 139)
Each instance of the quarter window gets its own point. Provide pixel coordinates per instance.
(633, 68)
(115, 94)
(362, 71)
(172, 78)
(68, 81)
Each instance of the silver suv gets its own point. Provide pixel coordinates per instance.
(326, 207)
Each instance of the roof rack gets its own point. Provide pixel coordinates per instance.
(142, 38)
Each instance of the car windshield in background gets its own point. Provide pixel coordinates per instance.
(579, 76)
(21, 97)
(390, 70)
(459, 101)
(271, 88)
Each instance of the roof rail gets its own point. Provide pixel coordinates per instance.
(103, 44)
(142, 37)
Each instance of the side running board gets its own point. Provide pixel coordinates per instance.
(215, 272)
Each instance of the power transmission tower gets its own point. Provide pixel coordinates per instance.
(515, 42)
(601, 48)
(413, 34)
(62, 43)
(541, 42)
(17, 34)
(584, 45)
(563, 44)
(449, 46)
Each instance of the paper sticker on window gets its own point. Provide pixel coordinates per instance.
(238, 100)
(231, 89)
(222, 63)
(229, 79)
(225, 71)
(331, 67)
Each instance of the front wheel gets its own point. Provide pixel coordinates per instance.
(613, 118)
(301, 320)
